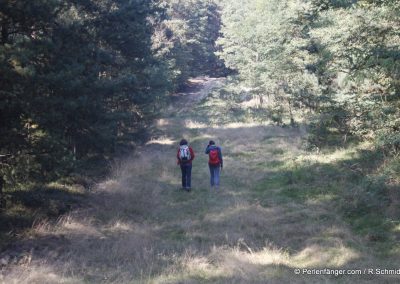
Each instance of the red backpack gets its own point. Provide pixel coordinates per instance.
(213, 157)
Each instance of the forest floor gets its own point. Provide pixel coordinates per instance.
(274, 212)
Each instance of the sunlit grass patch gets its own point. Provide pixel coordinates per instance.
(195, 124)
(162, 141)
(278, 208)
(317, 256)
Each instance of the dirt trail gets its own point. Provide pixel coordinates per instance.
(138, 227)
(195, 90)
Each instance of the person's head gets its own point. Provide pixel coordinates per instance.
(183, 142)
(211, 142)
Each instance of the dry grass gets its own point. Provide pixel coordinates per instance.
(139, 228)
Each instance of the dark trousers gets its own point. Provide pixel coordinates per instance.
(186, 175)
(214, 172)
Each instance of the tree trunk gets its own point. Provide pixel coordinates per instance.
(2, 201)
(74, 150)
(261, 100)
(4, 32)
(292, 123)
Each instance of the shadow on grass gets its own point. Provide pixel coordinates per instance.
(199, 222)
(283, 208)
(24, 207)
(350, 187)
(248, 272)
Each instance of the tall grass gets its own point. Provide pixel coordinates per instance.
(279, 208)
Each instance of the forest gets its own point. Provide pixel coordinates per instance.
(85, 84)
(81, 78)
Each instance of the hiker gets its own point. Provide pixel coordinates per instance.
(185, 157)
(215, 162)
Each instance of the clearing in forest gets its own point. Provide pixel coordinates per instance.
(272, 215)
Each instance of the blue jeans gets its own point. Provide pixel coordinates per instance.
(214, 171)
(186, 175)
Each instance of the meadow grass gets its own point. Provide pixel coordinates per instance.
(279, 208)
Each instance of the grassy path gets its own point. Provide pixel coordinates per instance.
(271, 215)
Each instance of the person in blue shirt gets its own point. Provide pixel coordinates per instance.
(215, 162)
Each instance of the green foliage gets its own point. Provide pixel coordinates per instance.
(80, 83)
(267, 42)
(77, 77)
(185, 39)
(362, 51)
(336, 62)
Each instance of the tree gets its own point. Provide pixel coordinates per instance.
(77, 77)
(186, 39)
(338, 60)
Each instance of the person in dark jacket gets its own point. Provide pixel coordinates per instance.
(215, 162)
(185, 158)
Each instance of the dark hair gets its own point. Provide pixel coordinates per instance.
(183, 142)
(211, 142)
